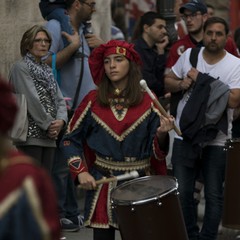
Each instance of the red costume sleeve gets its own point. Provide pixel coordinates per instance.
(14, 175)
(158, 161)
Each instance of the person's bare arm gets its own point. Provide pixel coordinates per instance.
(175, 84)
(93, 40)
(87, 180)
(234, 98)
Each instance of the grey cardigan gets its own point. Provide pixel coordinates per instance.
(23, 83)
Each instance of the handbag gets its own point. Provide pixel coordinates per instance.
(20, 128)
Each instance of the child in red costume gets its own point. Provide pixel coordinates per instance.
(121, 126)
(28, 208)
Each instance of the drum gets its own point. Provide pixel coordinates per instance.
(231, 209)
(148, 208)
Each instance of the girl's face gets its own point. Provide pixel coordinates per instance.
(41, 45)
(116, 68)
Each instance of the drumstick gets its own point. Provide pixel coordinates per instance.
(130, 175)
(157, 103)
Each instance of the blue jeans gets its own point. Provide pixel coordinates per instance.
(212, 163)
(66, 191)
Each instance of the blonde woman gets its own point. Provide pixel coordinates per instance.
(46, 107)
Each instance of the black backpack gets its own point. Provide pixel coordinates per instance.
(47, 6)
(177, 96)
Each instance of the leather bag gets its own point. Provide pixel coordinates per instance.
(20, 128)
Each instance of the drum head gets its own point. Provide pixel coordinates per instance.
(142, 188)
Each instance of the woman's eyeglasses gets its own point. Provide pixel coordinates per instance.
(41, 41)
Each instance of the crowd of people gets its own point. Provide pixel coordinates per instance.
(88, 118)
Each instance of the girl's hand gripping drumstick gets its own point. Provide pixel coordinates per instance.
(157, 103)
(130, 175)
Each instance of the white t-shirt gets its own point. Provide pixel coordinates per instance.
(226, 70)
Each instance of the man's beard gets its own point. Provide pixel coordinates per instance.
(215, 49)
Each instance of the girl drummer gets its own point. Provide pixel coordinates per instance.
(115, 129)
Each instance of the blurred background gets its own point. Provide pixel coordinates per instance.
(17, 16)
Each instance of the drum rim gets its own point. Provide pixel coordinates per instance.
(143, 201)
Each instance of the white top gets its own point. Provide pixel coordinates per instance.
(226, 70)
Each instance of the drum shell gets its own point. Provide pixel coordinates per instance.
(158, 219)
(231, 209)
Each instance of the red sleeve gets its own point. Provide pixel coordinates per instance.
(231, 47)
(177, 49)
(158, 161)
(172, 57)
(158, 167)
(77, 166)
(15, 175)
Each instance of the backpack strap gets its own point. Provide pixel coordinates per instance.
(177, 96)
(194, 56)
(56, 73)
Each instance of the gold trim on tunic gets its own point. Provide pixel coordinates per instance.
(129, 164)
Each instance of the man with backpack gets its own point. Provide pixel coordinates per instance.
(204, 114)
(194, 13)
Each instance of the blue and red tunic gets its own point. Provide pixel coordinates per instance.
(28, 201)
(111, 141)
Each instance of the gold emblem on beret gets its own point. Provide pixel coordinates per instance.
(121, 50)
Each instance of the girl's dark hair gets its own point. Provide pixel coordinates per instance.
(133, 92)
(213, 20)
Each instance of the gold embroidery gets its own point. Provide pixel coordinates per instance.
(109, 209)
(117, 92)
(125, 133)
(79, 119)
(93, 206)
(121, 50)
(119, 108)
(126, 165)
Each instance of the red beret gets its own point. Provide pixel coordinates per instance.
(98, 54)
(8, 107)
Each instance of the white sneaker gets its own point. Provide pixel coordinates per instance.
(68, 226)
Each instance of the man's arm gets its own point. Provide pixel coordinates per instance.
(66, 53)
(93, 40)
(175, 84)
(234, 98)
